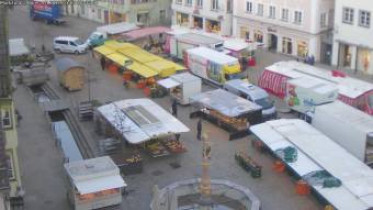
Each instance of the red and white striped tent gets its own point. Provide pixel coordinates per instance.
(351, 91)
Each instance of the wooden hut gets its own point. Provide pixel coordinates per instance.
(70, 74)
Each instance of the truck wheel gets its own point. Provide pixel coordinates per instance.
(58, 51)
(76, 52)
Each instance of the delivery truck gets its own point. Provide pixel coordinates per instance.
(349, 127)
(354, 92)
(50, 12)
(179, 42)
(304, 93)
(110, 31)
(212, 66)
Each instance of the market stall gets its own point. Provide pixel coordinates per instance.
(242, 50)
(143, 124)
(182, 86)
(94, 183)
(231, 112)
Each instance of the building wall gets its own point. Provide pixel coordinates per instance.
(11, 145)
(125, 10)
(308, 31)
(206, 13)
(352, 37)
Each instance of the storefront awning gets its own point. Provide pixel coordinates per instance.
(100, 184)
(142, 70)
(104, 50)
(118, 58)
(168, 83)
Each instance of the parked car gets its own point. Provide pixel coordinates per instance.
(254, 94)
(67, 44)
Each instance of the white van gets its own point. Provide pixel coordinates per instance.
(68, 44)
(253, 93)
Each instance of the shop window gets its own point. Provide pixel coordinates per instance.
(143, 18)
(212, 26)
(302, 49)
(258, 36)
(298, 17)
(348, 15)
(244, 33)
(287, 46)
(182, 19)
(162, 15)
(364, 18)
(198, 22)
(6, 118)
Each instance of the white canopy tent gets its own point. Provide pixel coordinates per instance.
(94, 175)
(17, 47)
(317, 152)
(140, 120)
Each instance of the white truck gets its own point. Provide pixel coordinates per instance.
(254, 94)
(305, 93)
(212, 66)
(349, 127)
(180, 41)
(111, 31)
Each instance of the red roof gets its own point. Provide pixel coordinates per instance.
(144, 32)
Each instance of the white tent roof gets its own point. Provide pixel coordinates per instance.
(168, 83)
(140, 120)
(117, 28)
(356, 191)
(94, 175)
(347, 86)
(212, 55)
(17, 47)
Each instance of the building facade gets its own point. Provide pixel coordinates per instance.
(144, 12)
(353, 35)
(208, 15)
(292, 27)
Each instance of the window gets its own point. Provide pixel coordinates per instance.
(82, 9)
(6, 118)
(272, 12)
(72, 44)
(258, 36)
(298, 17)
(162, 15)
(215, 4)
(285, 15)
(9, 161)
(260, 9)
(323, 20)
(229, 6)
(287, 46)
(200, 3)
(189, 3)
(364, 18)
(178, 1)
(249, 7)
(348, 15)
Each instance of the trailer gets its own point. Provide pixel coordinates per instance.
(50, 12)
(351, 91)
(180, 41)
(212, 66)
(305, 93)
(350, 128)
(110, 31)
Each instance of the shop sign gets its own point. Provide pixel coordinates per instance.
(273, 30)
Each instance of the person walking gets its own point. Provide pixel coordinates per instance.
(174, 108)
(199, 129)
(103, 62)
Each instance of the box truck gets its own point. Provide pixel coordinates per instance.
(50, 12)
(349, 127)
(354, 92)
(212, 66)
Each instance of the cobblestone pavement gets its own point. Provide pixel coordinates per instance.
(41, 161)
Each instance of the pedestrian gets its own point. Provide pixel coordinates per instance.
(91, 49)
(174, 108)
(103, 62)
(199, 129)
